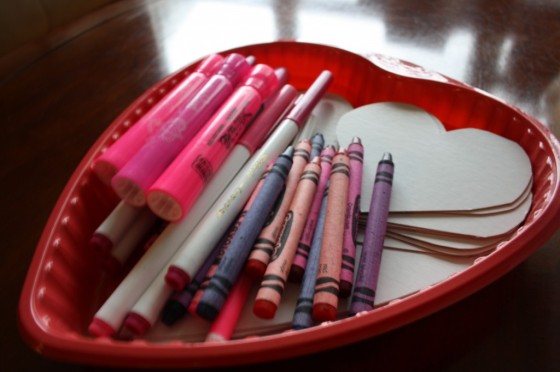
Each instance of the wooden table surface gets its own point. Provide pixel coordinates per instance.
(58, 96)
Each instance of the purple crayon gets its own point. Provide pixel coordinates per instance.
(236, 255)
(317, 143)
(372, 248)
(356, 155)
(176, 307)
(303, 317)
(300, 259)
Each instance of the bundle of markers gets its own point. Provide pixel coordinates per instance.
(211, 175)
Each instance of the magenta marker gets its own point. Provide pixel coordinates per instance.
(356, 155)
(175, 191)
(120, 152)
(132, 182)
(370, 259)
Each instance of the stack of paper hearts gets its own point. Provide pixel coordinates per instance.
(457, 192)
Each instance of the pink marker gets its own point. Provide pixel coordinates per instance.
(120, 152)
(175, 191)
(132, 182)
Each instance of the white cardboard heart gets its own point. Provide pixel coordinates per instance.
(459, 170)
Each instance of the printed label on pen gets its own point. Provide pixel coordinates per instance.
(237, 119)
(203, 167)
(258, 166)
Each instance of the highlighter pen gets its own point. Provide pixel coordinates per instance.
(193, 251)
(112, 229)
(374, 235)
(120, 152)
(174, 192)
(356, 156)
(110, 316)
(132, 182)
(235, 257)
(307, 237)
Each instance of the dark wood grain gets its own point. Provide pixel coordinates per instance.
(54, 107)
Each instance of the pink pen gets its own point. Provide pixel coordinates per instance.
(132, 182)
(120, 152)
(175, 191)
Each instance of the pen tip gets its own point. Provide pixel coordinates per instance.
(387, 157)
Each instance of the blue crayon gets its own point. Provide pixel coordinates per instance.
(235, 257)
(303, 313)
(176, 307)
(317, 143)
(374, 236)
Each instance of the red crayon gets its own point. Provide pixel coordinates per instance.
(176, 190)
(272, 287)
(264, 246)
(327, 286)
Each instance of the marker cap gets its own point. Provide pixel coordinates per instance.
(263, 78)
(307, 102)
(234, 68)
(177, 278)
(100, 328)
(137, 324)
(210, 64)
(101, 243)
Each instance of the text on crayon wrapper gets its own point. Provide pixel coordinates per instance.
(255, 168)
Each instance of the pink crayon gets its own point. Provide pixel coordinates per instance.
(132, 182)
(176, 190)
(356, 156)
(120, 152)
(300, 259)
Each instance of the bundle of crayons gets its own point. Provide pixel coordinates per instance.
(210, 174)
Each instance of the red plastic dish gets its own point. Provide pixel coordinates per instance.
(63, 288)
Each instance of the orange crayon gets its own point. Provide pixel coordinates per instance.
(270, 293)
(264, 245)
(327, 285)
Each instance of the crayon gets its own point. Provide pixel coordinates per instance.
(264, 245)
(223, 326)
(120, 152)
(132, 182)
(236, 255)
(325, 299)
(317, 143)
(149, 306)
(370, 260)
(272, 287)
(136, 233)
(175, 191)
(112, 229)
(300, 259)
(192, 252)
(356, 156)
(303, 313)
(224, 247)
